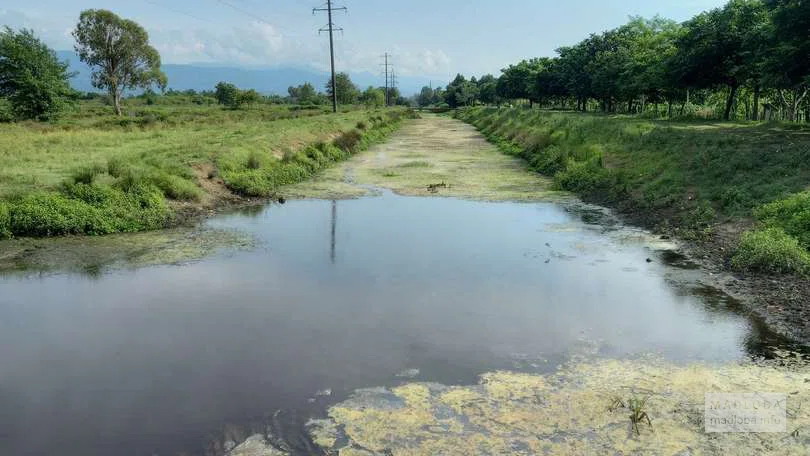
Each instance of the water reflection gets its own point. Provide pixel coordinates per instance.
(155, 360)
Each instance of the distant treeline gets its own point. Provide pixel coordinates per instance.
(749, 59)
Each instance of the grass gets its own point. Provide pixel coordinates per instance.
(685, 176)
(93, 173)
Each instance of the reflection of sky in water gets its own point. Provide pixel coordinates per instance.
(153, 358)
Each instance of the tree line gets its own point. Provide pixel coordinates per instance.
(749, 59)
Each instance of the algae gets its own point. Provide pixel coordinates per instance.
(568, 412)
(427, 151)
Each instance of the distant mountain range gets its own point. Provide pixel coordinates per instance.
(264, 80)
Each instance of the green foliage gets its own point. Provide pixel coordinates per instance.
(5, 221)
(86, 174)
(791, 215)
(373, 97)
(119, 51)
(262, 178)
(232, 97)
(347, 92)
(32, 80)
(771, 250)
(88, 209)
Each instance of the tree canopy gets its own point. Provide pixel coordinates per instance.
(118, 50)
(33, 80)
(723, 61)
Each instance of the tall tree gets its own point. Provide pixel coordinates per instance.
(718, 47)
(119, 52)
(31, 77)
(347, 92)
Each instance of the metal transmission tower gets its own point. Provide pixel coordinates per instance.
(330, 27)
(393, 84)
(387, 85)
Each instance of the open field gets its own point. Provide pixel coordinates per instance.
(92, 173)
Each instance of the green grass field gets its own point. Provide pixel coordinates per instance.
(684, 176)
(94, 173)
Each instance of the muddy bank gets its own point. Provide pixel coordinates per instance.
(578, 410)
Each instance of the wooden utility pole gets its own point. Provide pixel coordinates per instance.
(331, 29)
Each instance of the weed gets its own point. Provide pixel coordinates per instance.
(5, 221)
(638, 410)
(254, 160)
(415, 164)
(86, 174)
(771, 250)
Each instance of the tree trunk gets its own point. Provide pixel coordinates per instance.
(115, 94)
(730, 101)
(669, 108)
(755, 110)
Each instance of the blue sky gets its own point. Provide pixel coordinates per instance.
(427, 38)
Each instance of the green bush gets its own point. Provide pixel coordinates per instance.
(791, 215)
(253, 183)
(771, 250)
(5, 221)
(6, 110)
(89, 209)
(54, 214)
(254, 160)
(175, 187)
(349, 141)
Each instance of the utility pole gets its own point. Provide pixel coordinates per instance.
(387, 65)
(331, 28)
(393, 83)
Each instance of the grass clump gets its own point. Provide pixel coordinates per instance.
(5, 221)
(86, 174)
(416, 164)
(791, 214)
(771, 250)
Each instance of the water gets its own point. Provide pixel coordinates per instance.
(338, 296)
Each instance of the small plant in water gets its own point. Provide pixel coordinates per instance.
(638, 410)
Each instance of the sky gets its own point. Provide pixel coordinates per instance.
(427, 38)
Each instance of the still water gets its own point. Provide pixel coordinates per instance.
(337, 296)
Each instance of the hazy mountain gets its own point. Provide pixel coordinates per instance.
(265, 80)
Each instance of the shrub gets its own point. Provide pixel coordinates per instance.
(86, 174)
(361, 125)
(791, 215)
(175, 187)
(249, 183)
(89, 209)
(348, 141)
(5, 221)
(771, 250)
(53, 214)
(254, 160)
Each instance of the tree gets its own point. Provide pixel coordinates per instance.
(719, 47)
(226, 94)
(487, 89)
(425, 97)
(33, 80)
(373, 97)
(119, 51)
(347, 92)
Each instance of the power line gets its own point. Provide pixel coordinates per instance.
(180, 12)
(245, 12)
(331, 28)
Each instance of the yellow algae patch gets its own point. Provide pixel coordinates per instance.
(433, 150)
(573, 411)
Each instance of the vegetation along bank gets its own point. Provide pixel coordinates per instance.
(738, 190)
(92, 173)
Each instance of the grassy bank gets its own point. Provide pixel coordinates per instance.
(683, 177)
(91, 173)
